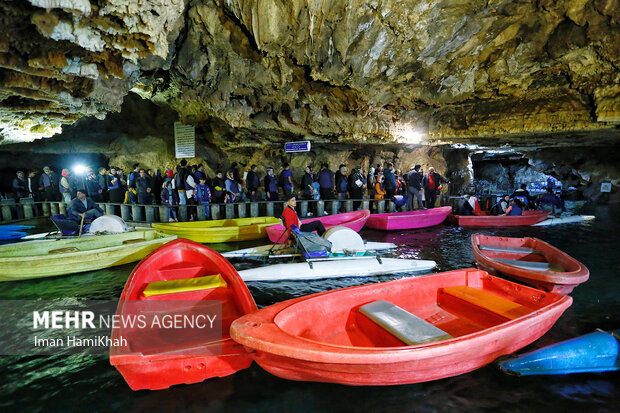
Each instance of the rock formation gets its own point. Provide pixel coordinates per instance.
(339, 71)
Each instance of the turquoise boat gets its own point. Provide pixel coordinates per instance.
(596, 352)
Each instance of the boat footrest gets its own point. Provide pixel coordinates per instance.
(532, 265)
(184, 285)
(502, 248)
(407, 327)
(488, 301)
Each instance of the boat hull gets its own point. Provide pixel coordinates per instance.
(354, 267)
(354, 220)
(194, 357)
(596, 352)
(573, 219)
(222, 230)
(528, 218)
(38, 259)
(263, 251)
(408, 220)
(573, 272)
(318, 338)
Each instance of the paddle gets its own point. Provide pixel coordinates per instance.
(81, 226)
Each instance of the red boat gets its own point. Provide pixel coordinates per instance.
(354, 220)
(529, 260)
(403, 331)
(485, 219)
(408, 220)
(182, 280)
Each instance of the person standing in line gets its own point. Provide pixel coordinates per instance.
(252, 183)
(219, 187)
(342, 186)
(389, 182)
(271, 185)
(20, 186)
(286, 180)
(169, 197)
(115, 190)
(326, 182)
(356, 186)
(203, 195)
(103, 184)
(65, 186)
(144, 186)
(48, 184)
(432, 183)
(306, 182)
(371, 180)
(92, 187)
(180, 181)
(414, 187)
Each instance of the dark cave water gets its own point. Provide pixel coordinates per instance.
(88, 383)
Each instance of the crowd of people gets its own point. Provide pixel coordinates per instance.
(189, 184)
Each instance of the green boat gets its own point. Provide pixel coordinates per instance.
(37, 259)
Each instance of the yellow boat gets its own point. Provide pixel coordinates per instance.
(220, 230)
(37, 259)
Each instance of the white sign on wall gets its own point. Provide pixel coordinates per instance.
(184, 140)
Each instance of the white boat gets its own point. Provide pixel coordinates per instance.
(569, 219)
(277, 250)
(316, 269)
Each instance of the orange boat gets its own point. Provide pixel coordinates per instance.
(530, 261)
(184, 282)
(403, 331)
(485, 219)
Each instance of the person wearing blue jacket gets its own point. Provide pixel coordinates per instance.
(203, 194)
(389, 180)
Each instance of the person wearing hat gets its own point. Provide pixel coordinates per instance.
(291, 218)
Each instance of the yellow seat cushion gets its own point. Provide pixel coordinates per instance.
(491, 302)
(184, 285)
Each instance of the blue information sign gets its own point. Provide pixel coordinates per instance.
(303, 146)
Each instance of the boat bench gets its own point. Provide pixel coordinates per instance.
(184, 285)
(488, 301)
(408, 328)
(532, 265)
(502, 248)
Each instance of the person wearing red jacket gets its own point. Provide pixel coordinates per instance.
(291, 218)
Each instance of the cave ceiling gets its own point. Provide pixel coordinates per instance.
(330, 71)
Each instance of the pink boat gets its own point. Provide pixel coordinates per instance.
(354, 220)
(408, 220)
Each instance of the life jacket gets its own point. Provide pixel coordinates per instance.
(516, 210)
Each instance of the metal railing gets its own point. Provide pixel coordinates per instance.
(28, 209)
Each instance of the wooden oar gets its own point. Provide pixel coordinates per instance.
(81, 226)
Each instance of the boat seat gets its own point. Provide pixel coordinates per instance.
(488, 301)
(184, 285)
(532, 265)
(501, 248)
(63, 250)
(408, 328)
(131, 241)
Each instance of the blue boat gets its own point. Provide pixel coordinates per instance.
(5, 228)
(9, 236)
(596, 352)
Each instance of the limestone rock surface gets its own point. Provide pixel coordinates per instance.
(371, 71)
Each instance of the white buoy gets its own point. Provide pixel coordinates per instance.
(110, 224)
(343, 238)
